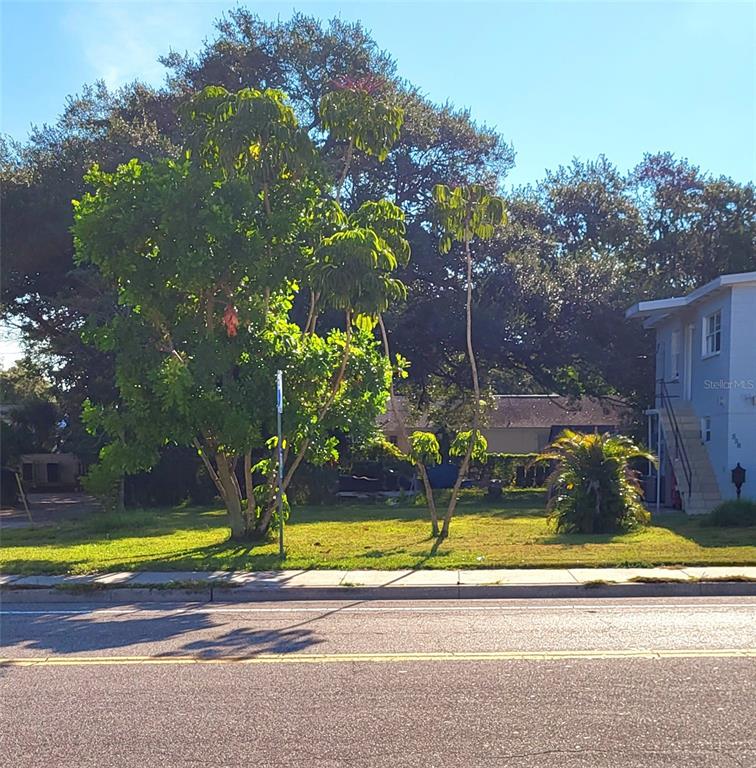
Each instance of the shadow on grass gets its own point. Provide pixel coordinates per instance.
(509, 505)
(223, 556)
(203, 544)
(108, 533)
(680, 525)
(111, 527)
(692, 528)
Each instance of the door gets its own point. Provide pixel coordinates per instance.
(53, 473)
(688, 363)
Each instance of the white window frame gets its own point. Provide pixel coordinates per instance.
(706, 429)
(711, 338)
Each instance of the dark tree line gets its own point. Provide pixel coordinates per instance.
(549, 292)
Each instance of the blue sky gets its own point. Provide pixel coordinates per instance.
(557, 79)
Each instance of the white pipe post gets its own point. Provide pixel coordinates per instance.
(279, 412)
(659, 457)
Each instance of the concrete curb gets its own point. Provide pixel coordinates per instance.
(269, 593)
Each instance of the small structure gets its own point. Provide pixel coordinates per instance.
(703, 420)
(50, 471)
(526, 423)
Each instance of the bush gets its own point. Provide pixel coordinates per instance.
(737, 513)
(518, 470)
(179, 476)
(378, 455)
(314, 484)
(593, 488)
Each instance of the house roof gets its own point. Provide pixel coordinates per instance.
(551, 410)
(651, 312)
(539, 412)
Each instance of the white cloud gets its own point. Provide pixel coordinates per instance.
(121, 41)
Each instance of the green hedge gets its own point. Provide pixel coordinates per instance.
(516, 470)
(737, 513)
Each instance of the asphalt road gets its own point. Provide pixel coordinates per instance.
(571, 684)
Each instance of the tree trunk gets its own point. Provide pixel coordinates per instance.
(429, 497)
(455, 490)
(336, 384)
(476, 402)
(347, 162)
(249, 487)
(232, 497)
(262, 525)
(312, 313)
(121, 495)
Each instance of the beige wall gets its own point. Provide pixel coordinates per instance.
(516, 439)
(35, 472)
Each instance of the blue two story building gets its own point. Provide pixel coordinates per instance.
(703, 420)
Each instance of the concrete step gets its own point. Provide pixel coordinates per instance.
(700, 464)
(704, 495)
(705, 487)
(696, 499)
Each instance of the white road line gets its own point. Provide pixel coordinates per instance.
(681, 607)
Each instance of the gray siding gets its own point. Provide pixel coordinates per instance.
(709, 396)
(741, 394)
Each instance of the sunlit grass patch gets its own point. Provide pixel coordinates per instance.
(513, 532)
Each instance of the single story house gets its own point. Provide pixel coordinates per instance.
(703, 420)
(524, 423)
(50, 471)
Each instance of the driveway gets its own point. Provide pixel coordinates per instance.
(49, 509)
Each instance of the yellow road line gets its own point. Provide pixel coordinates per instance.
(336, 658)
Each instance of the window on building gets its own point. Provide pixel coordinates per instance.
(53, 473)
(712, 333)
(674, 356)
(706, 429)
(27, 472)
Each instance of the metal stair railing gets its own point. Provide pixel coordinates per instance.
(680, 452)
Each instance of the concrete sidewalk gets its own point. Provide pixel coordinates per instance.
(377, 585)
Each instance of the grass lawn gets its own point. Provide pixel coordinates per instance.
(511, 533)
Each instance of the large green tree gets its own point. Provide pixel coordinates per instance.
(549, 291)
(51, 297)
(206, 255)
(552, 287)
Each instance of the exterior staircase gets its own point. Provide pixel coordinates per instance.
(696, 481)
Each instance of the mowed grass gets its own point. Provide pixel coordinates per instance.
(512, 533)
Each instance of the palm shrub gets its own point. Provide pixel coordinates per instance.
(593, 487)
